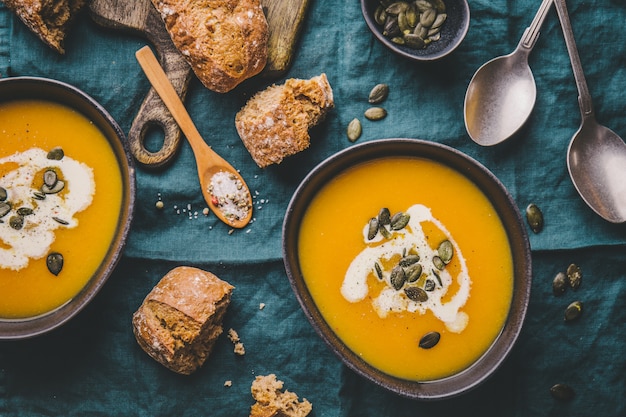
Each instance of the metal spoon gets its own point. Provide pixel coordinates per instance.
(208, 162)
(596, 157)
(501, 95)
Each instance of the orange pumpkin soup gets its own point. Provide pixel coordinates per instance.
(60, 200)
(420, 296)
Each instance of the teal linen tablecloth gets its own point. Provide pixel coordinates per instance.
(93, 366)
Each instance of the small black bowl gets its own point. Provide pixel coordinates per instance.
(453, 31)
(56, 91)
(511, 219)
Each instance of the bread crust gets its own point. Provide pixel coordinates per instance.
(271, 401)
(224, 41)
(50, 20)
(275, 122)
(181, 318)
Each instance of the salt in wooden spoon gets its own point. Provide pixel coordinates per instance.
(223, 188)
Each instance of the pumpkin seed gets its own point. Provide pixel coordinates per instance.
(38, 195)
(397, 8)
(24, 211)
(413, 272)
(391, 28)
(375, 113)
(50, 178)
(379, 271)
(53, 190)
(16, 222)
(3, 194)
(409, 260)
(439, 5)
(441, 17)
(5, 208)
(559, 284)
(427, 18)
(445, 251)
(372, 228)
(573, 311)
(438, 263)
(60, 221)
(423, 5)
(384, 216)
(399, 221)
(574, 276)
(403, 23)
(354, 130)
(56, 154)
(429, 285)
(378, 94)
(397, 278)
(429, 340)
(416, 294)
(412, 15)
(534, 216)
(380, 15)
(562, 392)
(436, 274)
(54, 262)
(414, 41)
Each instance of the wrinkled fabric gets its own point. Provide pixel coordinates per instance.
(93, 366)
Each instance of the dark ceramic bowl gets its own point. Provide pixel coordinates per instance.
(453, 31)
(59, 92)
(487, 364)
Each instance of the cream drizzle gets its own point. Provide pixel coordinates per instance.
(355, 287)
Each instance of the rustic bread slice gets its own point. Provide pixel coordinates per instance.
(271, 401)
(224, 41)
(181, 318)
(50, 20)
(275, 122)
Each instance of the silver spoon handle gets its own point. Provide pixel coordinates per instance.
(584, 97)
(531, 34)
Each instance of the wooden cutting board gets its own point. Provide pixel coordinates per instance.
(285, 19)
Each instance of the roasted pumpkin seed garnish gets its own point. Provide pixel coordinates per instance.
(416, 294)
(60, 221)
(384, 216)
(409, 260)
(559, 284)
(574, 276)
(413, 272)
(378, 94)
(379, 271)
(397, 278)
(354, 130)
(399, 221)
(372, 228)
(534, 216)
(16, 222)
(573, 311)
(54, 262)
(50, 178)
(3, 194)
(24, 211)
(56, 154)
(438, 263)
(38, 195)
(429, 340)
(445, 251)
(5, 208)
(58, 186)
(429, 285)
(562, 392)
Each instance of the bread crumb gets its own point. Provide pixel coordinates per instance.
(272, 401)
(234, 337)
(261, 306)
(228, 383)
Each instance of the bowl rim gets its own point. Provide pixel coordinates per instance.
(61, 92)
(405, 52)
(509, 213)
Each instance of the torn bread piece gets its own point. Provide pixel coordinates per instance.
(271, 401)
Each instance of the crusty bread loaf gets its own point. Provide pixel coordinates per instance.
(48, 19)
(272, 402)
(224, 41)
(275, 122)
(181, 318)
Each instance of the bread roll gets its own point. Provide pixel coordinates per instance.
(275, 122)
(272, 402)
(48, 19)
(181, 318)
(224, 41)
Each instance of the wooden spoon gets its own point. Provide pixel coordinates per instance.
(209, 163)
